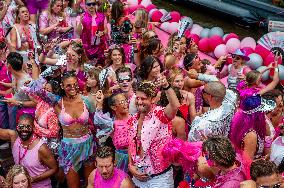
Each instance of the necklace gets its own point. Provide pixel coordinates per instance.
(25, 147)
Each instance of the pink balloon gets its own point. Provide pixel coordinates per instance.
(132, 2)
(220, 50)
(229, 36)
(156, 16)
(187, 33)
(214, 41)
(195, 37)
(247, 50)
(203, 45)
(165, 26)
(196, 29)
(263, 52)
(132, 9)
(150, 7)
(173, 27)
(233, 44)
(269, 59)
(175, 16)
(248, 42)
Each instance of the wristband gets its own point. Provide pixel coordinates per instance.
(21, 104)
(169, 86)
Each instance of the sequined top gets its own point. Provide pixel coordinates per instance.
(214, 122)
(155, 134)
(119, 33)
(260, 144)
(120, 134)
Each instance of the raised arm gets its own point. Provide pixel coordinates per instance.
(275, 80)
(172, 108)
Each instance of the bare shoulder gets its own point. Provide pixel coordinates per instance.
(91, 179)
(127, 183)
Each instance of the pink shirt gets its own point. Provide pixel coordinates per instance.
(114, 182)
(120, 134)
(155, 134)
(31, 162)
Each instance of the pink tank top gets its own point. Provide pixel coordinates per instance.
(120, 134)
(31, 162)
(114, 182)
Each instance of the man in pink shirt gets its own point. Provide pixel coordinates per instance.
(150, 130)
(106, 174)
(30, 152)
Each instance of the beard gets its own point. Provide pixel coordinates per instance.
(25, 135)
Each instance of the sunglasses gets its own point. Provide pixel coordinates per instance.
(22, 127)
(91, 4)
(271, 186)
(127, 79)
(70, 86)
(236, 57)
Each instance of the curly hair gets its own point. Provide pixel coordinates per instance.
(105, 152)
(14, 171)
(147, 87)
(261, 167)
(220, 151)
(174, 72)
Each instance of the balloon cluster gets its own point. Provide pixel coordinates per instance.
(212, 41)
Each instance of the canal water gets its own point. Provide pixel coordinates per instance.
(209, 20)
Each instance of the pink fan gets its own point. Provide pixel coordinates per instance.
(166, 18)
(274, 42)
(183, 25)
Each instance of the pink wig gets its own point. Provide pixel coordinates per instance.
(183, 152)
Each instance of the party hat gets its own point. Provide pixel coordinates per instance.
(166, 18)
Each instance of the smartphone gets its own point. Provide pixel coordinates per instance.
(229, 59)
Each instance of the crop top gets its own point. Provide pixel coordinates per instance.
(66, 120)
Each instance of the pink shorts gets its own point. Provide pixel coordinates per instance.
(36, 5)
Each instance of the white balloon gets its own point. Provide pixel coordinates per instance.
(216, 31)
(255, 61)
(132, 2)
(145, 3)
(204, 33)
(265, 75)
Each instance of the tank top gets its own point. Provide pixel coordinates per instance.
(233, 80)
(114, 182)
(31, 162)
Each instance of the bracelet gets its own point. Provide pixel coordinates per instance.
(44, 53)
(169, 86)
(21, 104)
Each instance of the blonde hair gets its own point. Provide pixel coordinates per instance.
(172, 39)
(174, 73)
(51, 4)
(142, 15)
(14, 171)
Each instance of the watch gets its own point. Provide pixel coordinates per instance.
(169, 86)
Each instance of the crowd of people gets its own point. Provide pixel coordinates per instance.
(90, 97)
